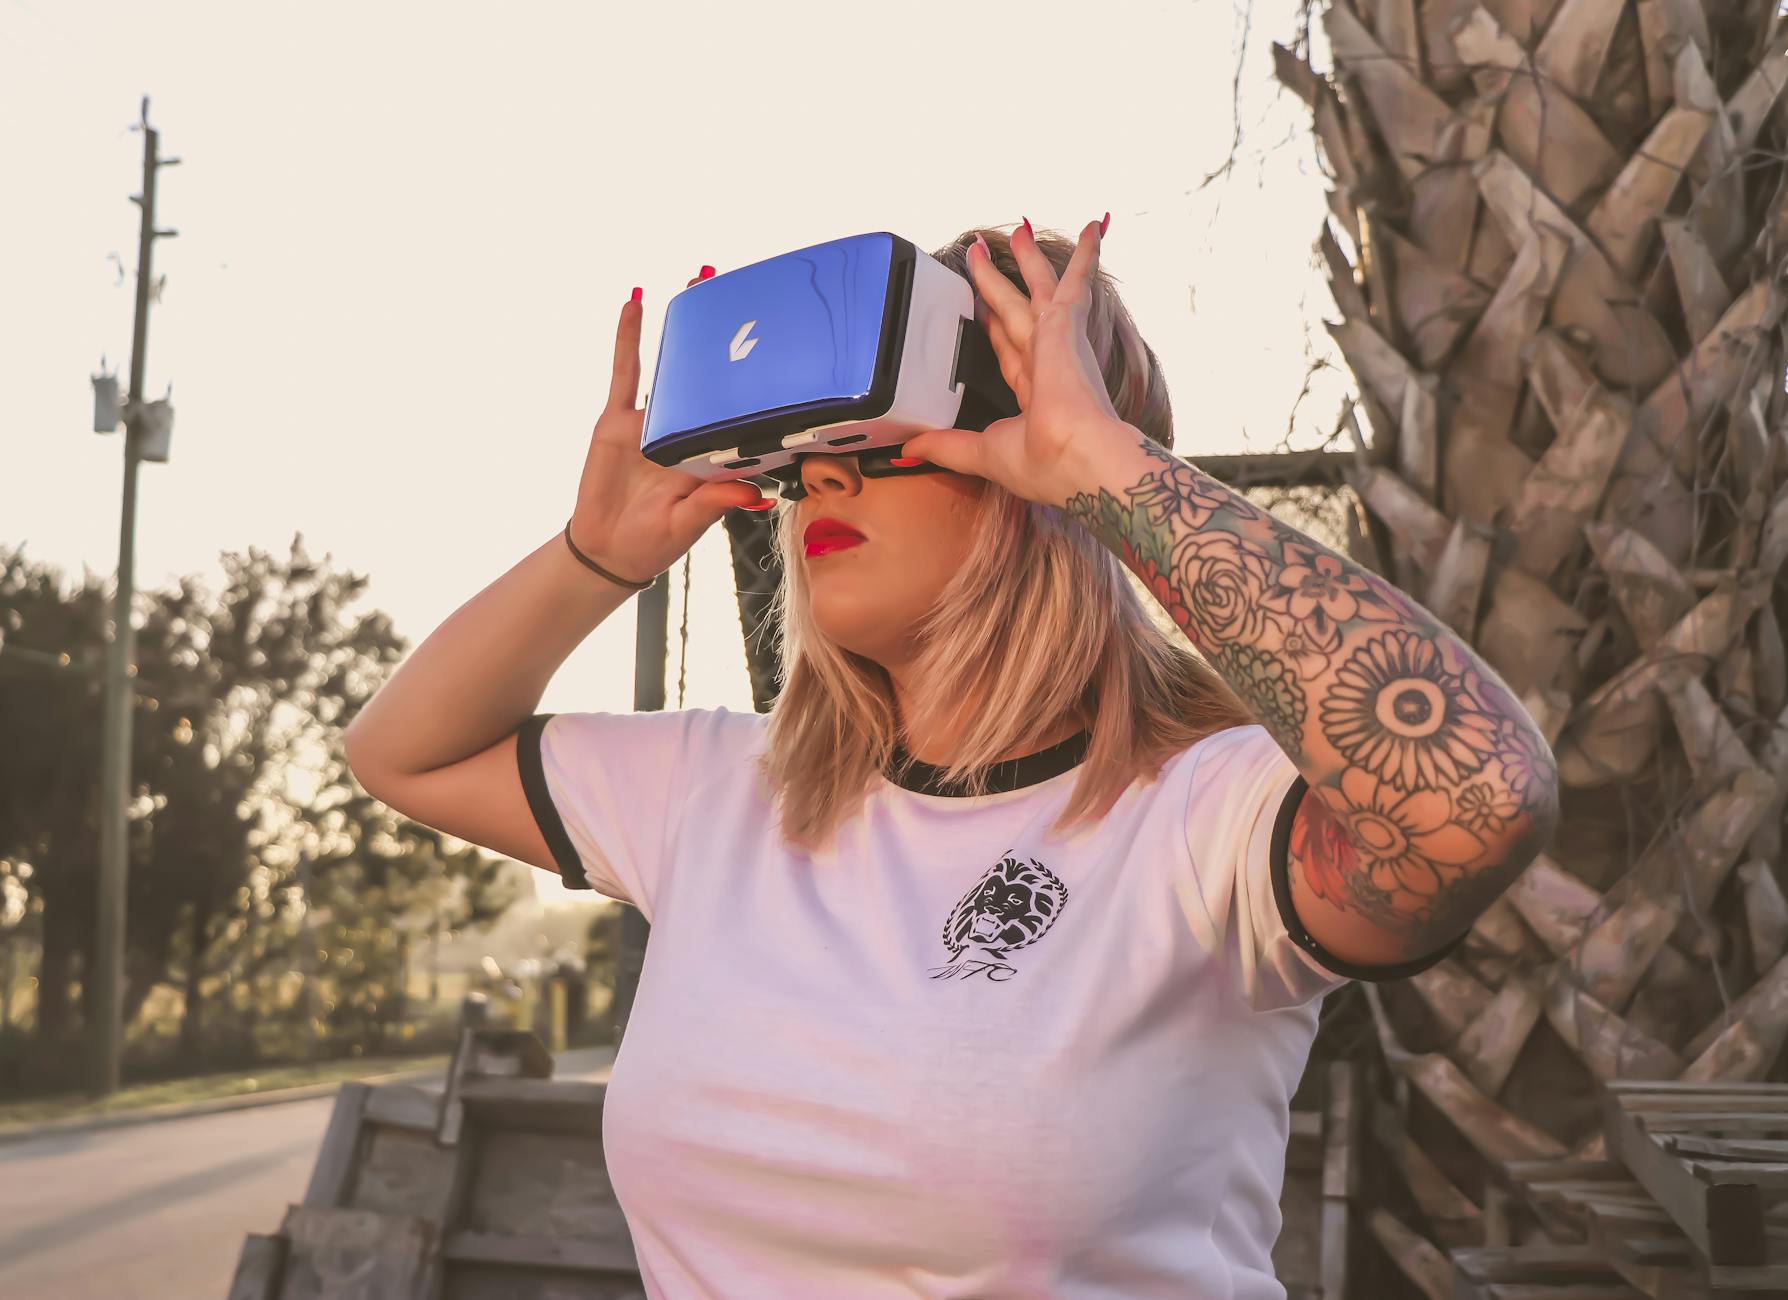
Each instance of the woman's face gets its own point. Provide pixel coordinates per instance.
(915, 529)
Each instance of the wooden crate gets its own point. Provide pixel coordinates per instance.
(1537, 1272)
(1310, 1256)
(1715, 1158)
(495, 1187)
(1607, 1211)
(1559, 1191)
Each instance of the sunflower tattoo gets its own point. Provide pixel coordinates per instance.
(1396, 711)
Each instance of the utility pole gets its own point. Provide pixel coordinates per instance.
(650, 647)
(104, 991)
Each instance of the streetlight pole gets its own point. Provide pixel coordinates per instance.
(104, 991)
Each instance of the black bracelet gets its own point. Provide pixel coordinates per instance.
(591, 564)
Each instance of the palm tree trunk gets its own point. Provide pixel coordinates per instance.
(1555, 239)
(756, 574)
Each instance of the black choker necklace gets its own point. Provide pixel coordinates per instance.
(909, 773)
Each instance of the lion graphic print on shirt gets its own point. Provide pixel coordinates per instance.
(1011, 907)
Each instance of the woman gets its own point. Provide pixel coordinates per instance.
(987, 963)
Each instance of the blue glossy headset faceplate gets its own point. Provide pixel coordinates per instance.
(792, 339)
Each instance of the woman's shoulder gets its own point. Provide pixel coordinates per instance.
(701, 729)
(742, 728)
(721, 718)
(720, 726)
(1239, 738)
(1230, 754)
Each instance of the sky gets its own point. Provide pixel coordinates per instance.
(406, 232)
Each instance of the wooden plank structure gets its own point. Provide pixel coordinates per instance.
(494, 1187)
(1536, 1273)
(1297, 1255)
(1692, 1201)
(1323, 1162)
(1717, 1160)
(1340, 1169)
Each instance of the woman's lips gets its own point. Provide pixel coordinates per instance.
(823, 536)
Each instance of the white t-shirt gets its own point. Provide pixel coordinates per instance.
(954, 1055)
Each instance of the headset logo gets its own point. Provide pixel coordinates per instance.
(740, 347)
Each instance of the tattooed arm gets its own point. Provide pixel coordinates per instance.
(1435, 787)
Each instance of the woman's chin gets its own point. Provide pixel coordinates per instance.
(849, 626)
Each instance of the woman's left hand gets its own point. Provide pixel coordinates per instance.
(1045, 357)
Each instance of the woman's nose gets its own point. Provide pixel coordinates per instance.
(831, 473)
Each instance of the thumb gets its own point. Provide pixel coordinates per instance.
(712, 500)
(962, 450)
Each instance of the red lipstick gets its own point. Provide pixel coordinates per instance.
(823, 536)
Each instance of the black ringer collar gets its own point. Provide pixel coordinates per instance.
(909, 773)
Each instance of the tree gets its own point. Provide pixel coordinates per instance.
(236, 766)
(50, 704)
(1555, 239)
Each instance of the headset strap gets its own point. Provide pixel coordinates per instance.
(986, 396)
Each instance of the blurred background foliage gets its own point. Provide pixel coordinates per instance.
(276, 912)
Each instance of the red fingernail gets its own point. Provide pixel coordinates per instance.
(1104, 225)
(906, 462)
(706, 272)
(637, 291)
(1027, 228)
(765, 504)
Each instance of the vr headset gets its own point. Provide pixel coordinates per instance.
(843, 348)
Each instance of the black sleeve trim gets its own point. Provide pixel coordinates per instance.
(540, 801)
(1281, 852)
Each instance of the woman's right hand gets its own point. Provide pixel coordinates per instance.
(633, 516)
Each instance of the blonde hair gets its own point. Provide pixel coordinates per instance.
(1040, 624)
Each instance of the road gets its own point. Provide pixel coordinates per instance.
(158, 1211)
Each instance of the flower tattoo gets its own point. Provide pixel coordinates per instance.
(1319, 841)
(1483, 806)
(1397, 711)
(1161, 587)
(1309, 652)
(1315, 588)
(1404, 839)
(1527, 764)
(1277, 696)
(1225, 583)
(1170, 498)
(1424, 770)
